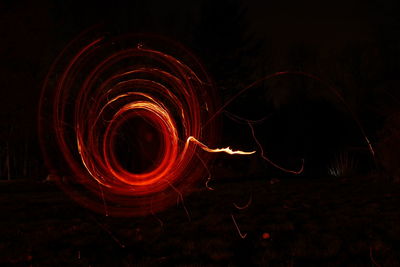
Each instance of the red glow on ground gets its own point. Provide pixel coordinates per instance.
(266, 236)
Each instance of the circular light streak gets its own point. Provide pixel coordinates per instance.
(102, 84)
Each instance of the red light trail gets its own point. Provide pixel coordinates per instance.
(132, 80)
(100, 85)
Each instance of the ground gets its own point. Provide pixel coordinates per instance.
(290, 222)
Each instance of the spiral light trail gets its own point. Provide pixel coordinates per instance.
(130, 121)
(151, 86)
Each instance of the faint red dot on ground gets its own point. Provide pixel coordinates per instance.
(266, 236)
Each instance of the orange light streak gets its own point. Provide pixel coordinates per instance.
(226, 150)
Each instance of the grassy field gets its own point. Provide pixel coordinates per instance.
(310, 222)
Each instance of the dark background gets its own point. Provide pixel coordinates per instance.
(342, 211)
(351, 45)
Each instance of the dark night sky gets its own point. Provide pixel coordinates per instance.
(353, 44)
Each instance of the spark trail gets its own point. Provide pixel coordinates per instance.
(102, 82)
(96, 88)
(226, 150)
